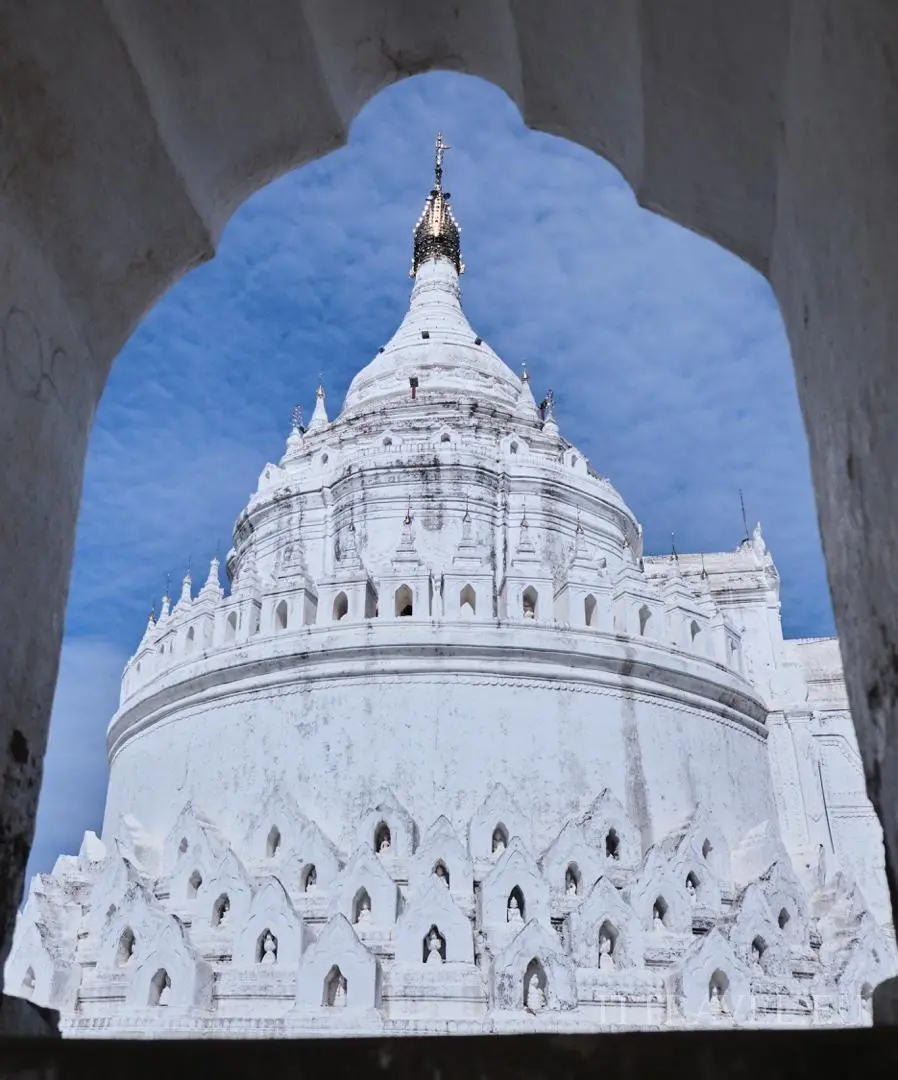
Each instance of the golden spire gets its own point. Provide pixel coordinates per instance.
(437, 232)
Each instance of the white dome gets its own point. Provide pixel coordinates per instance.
(436, 345)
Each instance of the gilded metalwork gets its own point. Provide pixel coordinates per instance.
(437, 232)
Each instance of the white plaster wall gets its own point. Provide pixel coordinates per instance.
(441, 741)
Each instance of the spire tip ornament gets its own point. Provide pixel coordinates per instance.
(437, 232)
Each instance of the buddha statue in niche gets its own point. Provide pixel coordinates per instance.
(514, 910)
(536, 998)
(606, 960)
(269, 949)
(433, 949)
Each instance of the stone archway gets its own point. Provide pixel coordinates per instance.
(749, 124)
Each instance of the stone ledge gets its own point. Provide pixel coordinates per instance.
(769, 1055)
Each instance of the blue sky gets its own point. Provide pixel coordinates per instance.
(667, 356)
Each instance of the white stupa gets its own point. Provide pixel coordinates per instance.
(452, 755)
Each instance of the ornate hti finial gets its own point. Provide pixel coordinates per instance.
(437, 232)
(439, 149)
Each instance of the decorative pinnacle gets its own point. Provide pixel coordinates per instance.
(439, 149)
(407, 520)
(525, 375)
(437, 232)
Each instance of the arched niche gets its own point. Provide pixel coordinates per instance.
(467, 601)
(361, 907)
(536, 986)
(517, 903)
(273, 842)
(403, 602)
(433, 946)
(221, 910)
(125, 950)
(589, 610)
(160, 988)
(266, 952)
(335, 990)
(280, 616)
(341, 606)
(309, 878)
(530, 603)
(383, 838)
(194, 884)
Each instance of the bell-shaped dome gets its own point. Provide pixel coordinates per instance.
(435, 356)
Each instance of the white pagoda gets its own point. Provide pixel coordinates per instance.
(451, 754)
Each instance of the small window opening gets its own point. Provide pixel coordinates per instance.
(478, 341)
(425, 334)
(280, 616)
(361, 907)
(694, 631)
(310, 879)
(28, 982)
(692, 886)
(445, 437)
(645, 617)
(388, 441)
(500, 839)
(404, 605)
(612, 844)
(529, 602)
(413, 385)
(659, 913)
(194, 883)
(707, 848)
(341, 606)
(191, 637)
(221, 911)
(758, 948)
(273, 842)
(783, 919)
(514, 447)
(125, 950)
(607, 942)
(182, 847)
(589, 610)
(160, 988)
(572, 880)
(467, 600)
(383, 840)
(718, 998)
(335, 989)
(231, 627)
